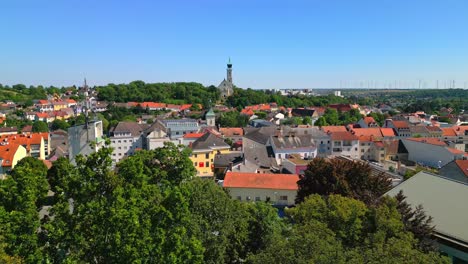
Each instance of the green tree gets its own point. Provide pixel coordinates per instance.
(60, 124)
(348, 178)
(40, 126)
(307, 120)
(331, 116)
(321, 121)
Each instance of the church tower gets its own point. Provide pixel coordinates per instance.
(229, 74)
(226, 86)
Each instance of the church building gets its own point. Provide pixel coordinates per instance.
(226, 86)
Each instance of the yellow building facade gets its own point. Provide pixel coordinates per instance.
(204, 150)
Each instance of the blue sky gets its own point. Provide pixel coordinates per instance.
(272, 44)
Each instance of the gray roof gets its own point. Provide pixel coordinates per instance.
(443, 199)
(209, 141)
(418, 129)
(292, 142)
(260, 135)
(223, 160)
(133, 128)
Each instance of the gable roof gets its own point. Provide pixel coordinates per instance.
(348, 136)
(231, 131)
(387, 132)
(400, 124)
(432, 141)
(133, 128)
(369, 119)
(7, 153)
(435, 193)
(463, 166)
(293, 142)
(209, 142)
(194, 135)
(261, 181)
(333, 129)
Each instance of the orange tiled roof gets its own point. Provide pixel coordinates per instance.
(25, 140)
(261, 181)
(463, 165)
(387, 132)
(7, 153)
(343, 135)
(432, 141)
(333, 129)
(194, 135)
(369, 119)
(231, 131)
(448, 132)
(455, 151)
(400, 124)
(371, 131)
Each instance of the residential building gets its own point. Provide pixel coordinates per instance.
(367, 121)
(204, 150)
(125, 139)
(401, 127)
(37, 145)
(345, 143)
(279, 189)
(177, 128)
(10, 155)
(189, 138)
(431, 152)
(85, 139)
(8, 131)
(284, 146)
(445, 201)
(235, 134)
(256, 153)
(456, 170)
(295, 164)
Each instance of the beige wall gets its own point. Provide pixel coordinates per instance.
(263, 194)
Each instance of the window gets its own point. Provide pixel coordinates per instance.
(195, 155)
(207, 155)
(125, 141)
(239, 198)
(207, 164)
(248, 198)
(355, 149)
(321, 142)
(279, 156)
(283, 197)
(362, 150)
(257, 199)
(120, 147)
(120, 141)
(131, 140)
(195, 164)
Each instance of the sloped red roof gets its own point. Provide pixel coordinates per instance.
(231, 131)
(261, 181)
(194, 135)
(432, 141)
(463, 165)
(343, 136)
(400, 124)
(333, 129)
(448, 132)
(7, 153)
(369, 119)
(455, 151)
(387, 132)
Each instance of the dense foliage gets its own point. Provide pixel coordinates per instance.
(151, 209)
(344, 177)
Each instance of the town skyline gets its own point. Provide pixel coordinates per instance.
(272, 44)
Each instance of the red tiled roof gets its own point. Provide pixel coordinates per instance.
(400, 124)
(43, 102)
(343, 136)
(42, 115)
(387, 132)
(432, 141)
(371, 131)
(463, 165)
(448, 132)
(247, 111)
(194, 135)
(185, 107)
(261, 181)
(369, 119)
(71, 101)
(25, 140)
(231, 131)
(333, 129)
(7, 153)
(455, 151)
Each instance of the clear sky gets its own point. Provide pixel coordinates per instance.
(272, 44)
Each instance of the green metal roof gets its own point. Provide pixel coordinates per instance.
(444, 199)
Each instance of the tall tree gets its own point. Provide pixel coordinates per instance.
(348, 178)
(40, 126)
